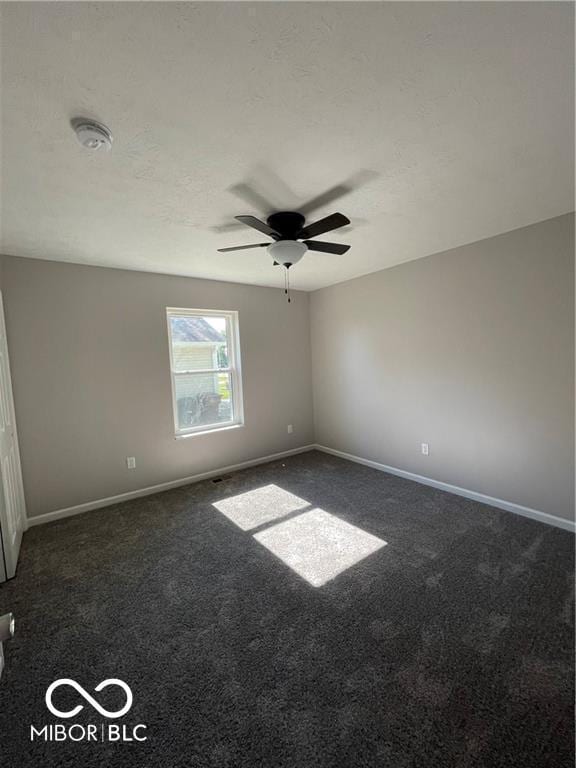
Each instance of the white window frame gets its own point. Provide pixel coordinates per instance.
(234, 369)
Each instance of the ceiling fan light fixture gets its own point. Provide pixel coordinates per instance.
(287, 252)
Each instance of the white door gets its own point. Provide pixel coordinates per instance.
(12, 509)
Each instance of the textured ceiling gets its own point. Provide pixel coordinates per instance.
(453, 121)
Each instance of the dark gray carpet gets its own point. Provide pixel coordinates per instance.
(451, 647)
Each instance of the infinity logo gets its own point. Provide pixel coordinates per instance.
(89, 699)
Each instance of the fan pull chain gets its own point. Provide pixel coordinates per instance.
(287, 282)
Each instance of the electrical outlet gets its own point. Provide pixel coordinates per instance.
(425, 449)
(289, 429)
(131, 462)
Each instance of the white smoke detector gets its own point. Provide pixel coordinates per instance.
(92, 135)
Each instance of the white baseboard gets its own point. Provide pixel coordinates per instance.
(57, 514)
(508, 506)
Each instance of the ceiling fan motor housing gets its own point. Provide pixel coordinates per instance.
(287, 223)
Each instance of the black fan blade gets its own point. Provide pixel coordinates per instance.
(252, 197)
(252, 221)
(332, 194)
(334, 221)
(318, 245)
(352, 183)
(230, 226)
(243, 247)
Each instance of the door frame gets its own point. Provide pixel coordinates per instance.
(23, 519)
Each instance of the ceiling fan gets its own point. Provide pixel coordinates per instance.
(291, 237)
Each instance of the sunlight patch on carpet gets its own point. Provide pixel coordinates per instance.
(318, 545)
(254, 508)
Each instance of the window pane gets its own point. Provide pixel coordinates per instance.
(203, 398)
(198, 342)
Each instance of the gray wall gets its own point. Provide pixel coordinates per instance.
(90, 367)
(472, 351)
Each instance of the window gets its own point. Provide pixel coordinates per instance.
(205, 366)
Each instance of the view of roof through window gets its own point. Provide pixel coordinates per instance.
(196, 328)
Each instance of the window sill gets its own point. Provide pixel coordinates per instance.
(186, 435)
